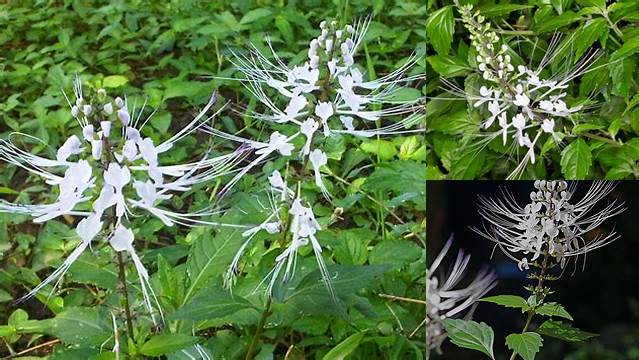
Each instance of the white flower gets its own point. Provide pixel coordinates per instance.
(89, 184)
(548, 126)
(445, 298)
(556, 223)
(308, 128)
(72, 146)
(122, 240)
(318, 159)
(307, 96)
(522, 92)
(123, 115)
(108, 109)
(519, 121)
(324, 111)
(521, 100)
(277, 142)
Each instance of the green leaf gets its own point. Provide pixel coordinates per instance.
(311, 295)
(348, 279)
(526, 345)
(397, 176)
(344, 348)
(576, 160)
(210, 255)
(285, 28)
(167, 343)
(511, 301)
(471, 335)
(86, 326)
(254, 15)
(553, 309)
(448, 66)
(500, 9)
(210, 304)
(628, 48)
(397, 253)
(385, 149)
(562, 331)
(557, 22)
(587, 35)
(467, 164)
(114, 81)
(440, 27)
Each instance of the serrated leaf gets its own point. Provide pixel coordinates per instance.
(167, 343)
(526, 345)
(383, 148)
(399, 177)
(511, 301)
(628, 48)
(562, 331)
(576, 160)
(448, 66)
(553, 309)
(440, 26)
(471, 335)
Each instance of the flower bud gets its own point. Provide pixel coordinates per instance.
(123, 115)
(118, 102)
(75, 111)
(108, 108)
(87, 110)
(106, 128)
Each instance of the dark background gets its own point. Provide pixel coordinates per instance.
(603, 298)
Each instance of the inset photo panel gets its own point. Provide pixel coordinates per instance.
(532, 270)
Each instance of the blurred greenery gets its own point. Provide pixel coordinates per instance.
(165, 53)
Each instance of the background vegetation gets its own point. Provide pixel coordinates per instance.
(168, 51)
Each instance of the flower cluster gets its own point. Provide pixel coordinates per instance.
(554, 226)
(325, 96)
(328, 91)
(111, 171)
(523, 105)
(444, 300)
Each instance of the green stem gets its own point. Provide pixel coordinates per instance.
(530, 316)
(260, 326)
(127, 309)
(536, 291)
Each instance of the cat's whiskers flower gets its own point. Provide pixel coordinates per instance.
(444, 299)
(549, 225)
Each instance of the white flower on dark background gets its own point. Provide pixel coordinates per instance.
(445, 298)
(555, 222)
